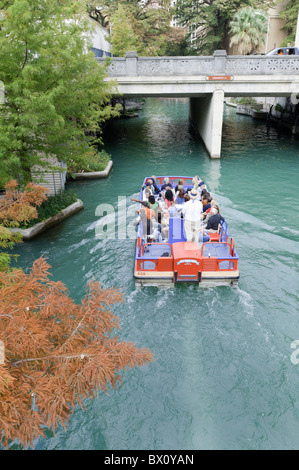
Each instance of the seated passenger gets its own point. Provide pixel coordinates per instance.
(214, 221)
(168, 197)
(195, 182)
(206, 205)
(180, 183)
(213, 205)
(180, 195)
(166, 182)
(172, 210)
(154, 185)
(146, 194)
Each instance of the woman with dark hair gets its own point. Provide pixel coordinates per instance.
(168, 197)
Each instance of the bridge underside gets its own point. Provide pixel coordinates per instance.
(207, 96)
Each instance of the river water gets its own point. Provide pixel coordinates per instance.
(225, 374)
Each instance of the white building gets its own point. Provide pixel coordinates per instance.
(99, 39)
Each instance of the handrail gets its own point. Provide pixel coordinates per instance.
(232, 247)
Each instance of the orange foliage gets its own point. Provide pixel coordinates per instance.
(17, 207)
(57, 352)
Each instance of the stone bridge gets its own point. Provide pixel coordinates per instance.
(206, 80)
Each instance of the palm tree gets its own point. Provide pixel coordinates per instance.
(248, 28)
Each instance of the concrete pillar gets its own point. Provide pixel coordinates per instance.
(206, 115)
(131, 63)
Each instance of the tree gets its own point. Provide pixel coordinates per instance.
(123, 37)
(15, 208)
(211, 19)
(248, 29)
(290, 15)
(56, 98)
(146, 24)
(57, 353)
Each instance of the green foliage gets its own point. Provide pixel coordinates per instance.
(56, 99)
(280, 108)
(123, 37)
(290, 15)
(141, 26)
(96, 162)
(248, 28)
(7, 242)
(211, 18)
(52, 206)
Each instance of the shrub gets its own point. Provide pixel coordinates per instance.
(52, 206)
(95, 162)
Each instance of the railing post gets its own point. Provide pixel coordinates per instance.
(219, 61)
(131, 63)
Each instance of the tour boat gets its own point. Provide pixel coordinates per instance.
(174, 260)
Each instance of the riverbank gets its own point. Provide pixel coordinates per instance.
(275, 114)
(32, 232)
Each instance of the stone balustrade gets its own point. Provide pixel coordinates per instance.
(219, 63)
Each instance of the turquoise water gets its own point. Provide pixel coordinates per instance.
(223, 377)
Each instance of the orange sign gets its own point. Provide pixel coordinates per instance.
(220, 77)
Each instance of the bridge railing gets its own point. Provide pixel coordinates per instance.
(219, 63)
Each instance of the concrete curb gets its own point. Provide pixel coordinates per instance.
(95, 174)
(31, 232)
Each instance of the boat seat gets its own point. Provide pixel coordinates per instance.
(214, 237)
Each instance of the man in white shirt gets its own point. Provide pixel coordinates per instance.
(192, 211)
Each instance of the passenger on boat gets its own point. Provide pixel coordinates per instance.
(206, 205)
(173, 210)
(165, 227)
(203, 191)
(166, 182)
(153, 203)
(213, 205)
(154, 185)
(180, 183)
(150, 214)
(192, 211)
(147, 217)
(201, 186)
(146, 194)
(168, 197)
(195, 182)
(214, 221)
(155, 206)
(180, 195)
